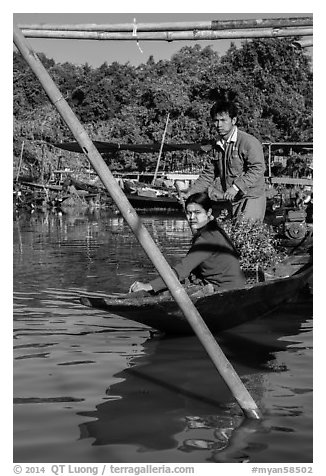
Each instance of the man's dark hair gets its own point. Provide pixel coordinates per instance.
(225, 101)
(224, 106)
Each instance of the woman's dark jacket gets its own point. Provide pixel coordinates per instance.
(211, 258)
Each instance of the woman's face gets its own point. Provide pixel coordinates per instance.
(197, 216)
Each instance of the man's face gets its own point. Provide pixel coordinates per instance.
(223, 123)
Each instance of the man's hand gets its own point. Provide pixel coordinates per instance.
(215, 194)
(182, 197)
(230, 193)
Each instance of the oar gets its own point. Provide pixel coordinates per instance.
(221, 363)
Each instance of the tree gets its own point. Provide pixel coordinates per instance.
(276, 79)
(122, 103)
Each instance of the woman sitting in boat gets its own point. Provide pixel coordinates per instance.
(212, 257)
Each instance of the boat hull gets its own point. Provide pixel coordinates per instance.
(139, 201)
(220, 311)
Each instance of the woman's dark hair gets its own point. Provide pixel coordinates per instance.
(201, 198)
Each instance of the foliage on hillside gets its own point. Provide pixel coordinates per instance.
(124, 103)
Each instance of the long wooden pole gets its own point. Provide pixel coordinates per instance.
(269, 161)
(161, 149)
(20, 161)
(304, 43)
(221, 363)
(168, 35)
(177, 26)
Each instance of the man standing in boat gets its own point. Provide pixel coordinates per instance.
(235, 171)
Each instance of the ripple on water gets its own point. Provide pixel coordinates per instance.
(89, 389)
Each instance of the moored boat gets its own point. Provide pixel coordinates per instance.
(146, 201)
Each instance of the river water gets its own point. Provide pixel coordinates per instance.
(93, 387)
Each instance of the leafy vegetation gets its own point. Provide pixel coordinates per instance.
(255, 242)
(129, 104)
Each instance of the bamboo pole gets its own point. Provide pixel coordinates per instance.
(168, 35)
(221, 363)
(309, 145)
(177, 26)
(42, 164)
(304, 43)
(20, 161)
(269, 161)
(161, 149)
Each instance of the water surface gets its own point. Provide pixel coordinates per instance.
(93, 387)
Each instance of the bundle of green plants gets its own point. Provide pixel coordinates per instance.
(255, 242)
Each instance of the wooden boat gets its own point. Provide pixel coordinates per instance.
(220, 310)
(56, 188)
(142, 195)
(150, 202)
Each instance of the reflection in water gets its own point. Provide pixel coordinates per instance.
(88, 388)
(173, 389)
(91, 247)
(174, 378)
(231, 438)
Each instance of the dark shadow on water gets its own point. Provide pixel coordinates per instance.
(174, 388)
(256, 342)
